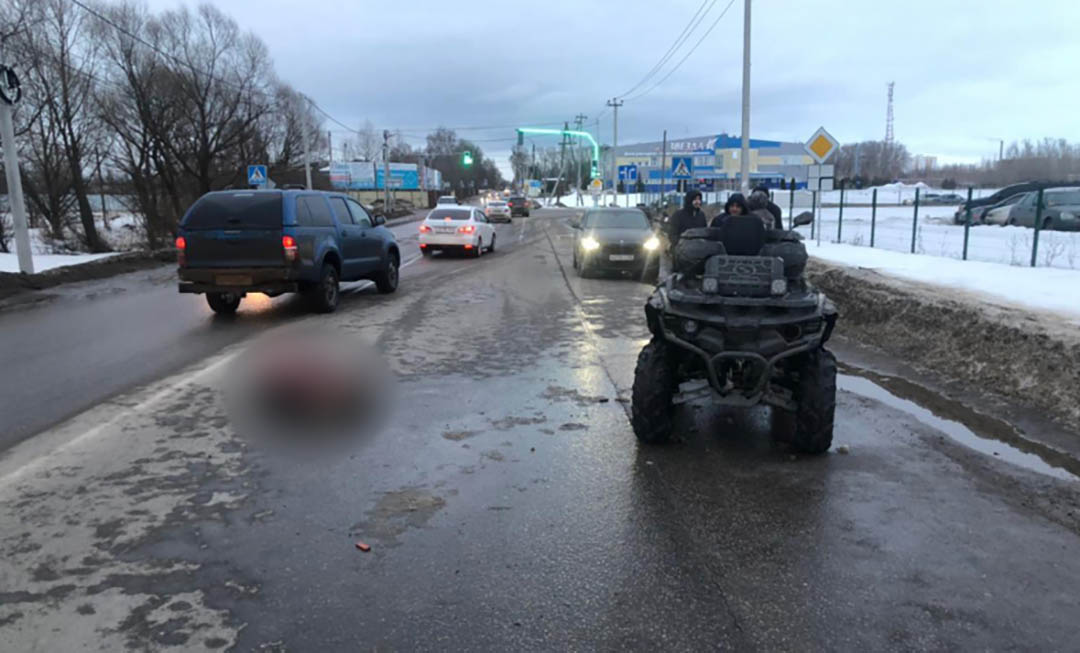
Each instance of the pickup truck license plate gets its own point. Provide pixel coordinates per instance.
(621, 257)
(233, 280)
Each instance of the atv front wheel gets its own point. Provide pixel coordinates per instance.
(654, 386)
(816, 398)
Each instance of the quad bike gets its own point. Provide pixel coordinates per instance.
(738, 320)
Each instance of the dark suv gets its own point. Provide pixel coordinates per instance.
(234, 242)
(519, 205)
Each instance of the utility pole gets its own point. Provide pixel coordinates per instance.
(578, 121)
(330, 145)
(663, 171)
(386, 170)
(562, 159)
(10, 93)
(1001, 150)
(744, 155)
(615, 103)
(307, 158)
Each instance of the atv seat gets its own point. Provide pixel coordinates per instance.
(743, 235)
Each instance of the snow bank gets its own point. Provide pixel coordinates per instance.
(1005, 352)
(1042, 288)
(42, 262)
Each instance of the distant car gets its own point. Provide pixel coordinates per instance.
(231, 243)
(999, 213)
(617, 240)
(1061, 210)
(981, 205)
(461, 228)
(498, 210)
(519, 205)
(447, 200)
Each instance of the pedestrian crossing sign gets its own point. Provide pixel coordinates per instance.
(256, 175)
(682, 167)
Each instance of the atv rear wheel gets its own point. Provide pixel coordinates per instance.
(654, 386)
(816, 399)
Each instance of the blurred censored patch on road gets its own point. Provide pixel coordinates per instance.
(309, 389)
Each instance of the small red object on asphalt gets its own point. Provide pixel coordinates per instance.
(363, 547)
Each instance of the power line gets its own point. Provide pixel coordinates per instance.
(683, 60)
(676, 44)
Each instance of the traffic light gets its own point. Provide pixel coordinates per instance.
(521, 139)
(466, 158)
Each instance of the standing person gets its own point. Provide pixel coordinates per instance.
(690, 216)
(763, 192)
(735, 205)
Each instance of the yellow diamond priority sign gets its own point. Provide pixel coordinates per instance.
(821, 145)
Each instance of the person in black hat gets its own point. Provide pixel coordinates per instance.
(761, 196)
(690, 216)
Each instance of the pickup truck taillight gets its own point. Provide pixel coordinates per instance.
(181, 251)
(288, 244)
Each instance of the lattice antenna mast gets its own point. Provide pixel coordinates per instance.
(889, 116)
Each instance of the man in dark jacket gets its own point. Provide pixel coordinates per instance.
(735, 205)
(690, 216)
(763, 192)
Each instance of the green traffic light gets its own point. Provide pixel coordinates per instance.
(466, 158)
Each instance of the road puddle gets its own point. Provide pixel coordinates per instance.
(970, 428)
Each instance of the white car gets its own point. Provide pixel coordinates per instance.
(463, 228)
(498, 210)
(447, 199)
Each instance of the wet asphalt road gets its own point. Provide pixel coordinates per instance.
(92, 340)
(508, 506)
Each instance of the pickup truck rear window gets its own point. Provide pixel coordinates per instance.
(240, 210)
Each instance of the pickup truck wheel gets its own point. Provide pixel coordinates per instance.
(324, 295)
(387, 280)
(223, 303)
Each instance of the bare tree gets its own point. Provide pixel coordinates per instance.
(61, 62)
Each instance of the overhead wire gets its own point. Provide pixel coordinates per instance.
(687, 56)
(683, 36)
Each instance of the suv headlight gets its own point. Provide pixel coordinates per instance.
(588, 243)
(779, 286)
(652, 243)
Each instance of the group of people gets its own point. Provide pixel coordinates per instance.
(690, 216)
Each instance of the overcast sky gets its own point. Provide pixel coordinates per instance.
(966, 71)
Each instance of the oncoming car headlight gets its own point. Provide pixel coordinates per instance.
(652, 243)
(588, 243)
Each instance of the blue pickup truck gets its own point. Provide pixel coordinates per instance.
(234, 242)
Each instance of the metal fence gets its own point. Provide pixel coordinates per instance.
(905, 222)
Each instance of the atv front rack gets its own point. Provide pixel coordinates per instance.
(760, 390)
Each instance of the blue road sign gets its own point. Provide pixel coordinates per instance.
(682, 167)
(256, 175)
(628, 173)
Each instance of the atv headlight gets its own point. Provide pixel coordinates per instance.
(779, 286)
(588, 243)
(652, 243)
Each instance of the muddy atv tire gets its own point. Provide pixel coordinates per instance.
(816, 399)
(654, 386)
